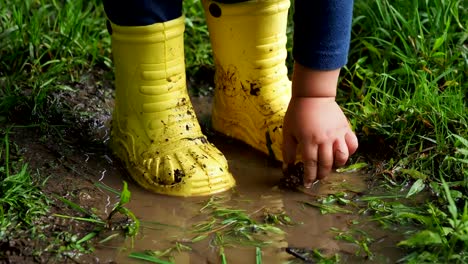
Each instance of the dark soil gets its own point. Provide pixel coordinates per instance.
(293, 176)
(69, 154)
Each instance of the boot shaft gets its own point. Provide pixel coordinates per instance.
(156, 53)
(150, 80)
(250, 35)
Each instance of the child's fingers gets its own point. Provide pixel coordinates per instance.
(351, 142)
(325, 160)
(341, 152)
(310, 160)
(289, 149)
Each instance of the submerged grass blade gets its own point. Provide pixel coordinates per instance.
(107, 188)
(88, 237)
(109, 238)
(353, 167)
(149, 258)
(258, 255)
(74, 206)
(223, 256)
(328, 208)
(84, 219)
(150, 224)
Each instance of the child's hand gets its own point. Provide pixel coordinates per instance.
(315, 125)
(318, 128)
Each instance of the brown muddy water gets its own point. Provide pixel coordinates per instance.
(76, 158)
(166, 220)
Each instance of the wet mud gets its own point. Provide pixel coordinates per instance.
(257, 187)
(75, 168)
(166, 220)
(292, 176)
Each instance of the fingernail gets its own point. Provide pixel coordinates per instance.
(309, 184)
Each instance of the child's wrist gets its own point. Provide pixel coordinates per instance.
(308, 82)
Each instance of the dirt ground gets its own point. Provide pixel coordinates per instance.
(67, 155)
(72, 156)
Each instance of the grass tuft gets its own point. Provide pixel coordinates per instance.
(45, 44)
(21, 201)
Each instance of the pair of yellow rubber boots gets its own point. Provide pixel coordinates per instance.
(155, 130)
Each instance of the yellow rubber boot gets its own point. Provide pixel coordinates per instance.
(252, 87)
(154, 129)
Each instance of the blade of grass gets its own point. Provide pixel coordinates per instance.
(148, 258)
(258, 255)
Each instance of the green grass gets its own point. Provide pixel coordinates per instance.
(404, 87)
(25, 212)
(407, 80)
(198, 49)
(406, 83)
(102, 226)
(44, 46)
(21, 201)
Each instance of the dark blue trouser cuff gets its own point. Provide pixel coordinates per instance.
(142, 12)
(145, 12)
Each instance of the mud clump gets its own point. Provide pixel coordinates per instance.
(292, 176)
(178, 175)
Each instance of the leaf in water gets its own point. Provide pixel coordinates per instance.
(353, 167)
(417, 187)
(273, 229)
(420, 218)
(149, 258)
(109, 238)
(423, 238)
(199, 238)
(87, 237)
(414, 174)
(258, 255)
(84, 219)
(326, 208)
(223, 256)
(181, 247)
(107, 188)
(125, 194)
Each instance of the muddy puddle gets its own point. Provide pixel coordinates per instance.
(76, 163)
(167, 220)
